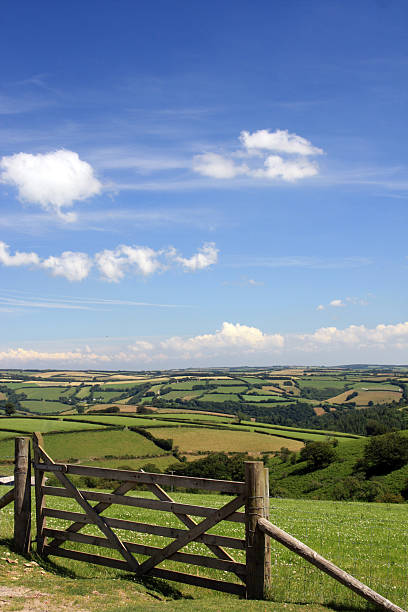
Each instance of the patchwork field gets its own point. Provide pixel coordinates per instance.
(201, 439)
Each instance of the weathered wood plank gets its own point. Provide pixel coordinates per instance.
(39, 477)
(208, 583)
(22, 495)
(189, 522)
(75, 527)
(258, 577)
(187, 482)
(326, 566)
(7, 498)
(167, 532)
(94, 517)
(142, 502)
(170, 549)
(142, 549)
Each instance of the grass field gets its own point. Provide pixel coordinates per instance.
(44, 425)
(367, 540)
(46, 393)
(219, 397)
(363, 397)
(202, 439)
(86, 445)
(43, 407)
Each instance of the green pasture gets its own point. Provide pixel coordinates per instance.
(172, 395)
(230, 389)
(106, 396)
(83, 392)
(366, 540)
(260, 398)
(43, 407)
(219, 397)
(45, 393)
(43, 425)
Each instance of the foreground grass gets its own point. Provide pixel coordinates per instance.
(367, 540)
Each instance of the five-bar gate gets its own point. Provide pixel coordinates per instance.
(253, 575)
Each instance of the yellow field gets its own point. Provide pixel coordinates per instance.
(363, 397)
(272, 388)
(216, 440)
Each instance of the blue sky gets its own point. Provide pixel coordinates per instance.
(187, 184)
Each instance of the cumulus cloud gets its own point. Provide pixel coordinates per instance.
(357, 336)
(217, 166)
(233, 343)
(320, 307)
(207, 256)
(231, 335)
(280, 141)
(53, 180)
(18, 259)
(113, 264)
(337, 303)
(72, 266)
(287, 170)
(292, 164)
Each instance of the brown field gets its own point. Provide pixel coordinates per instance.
(202, 439)
(272, 388)
(363, 397)
(3, 396)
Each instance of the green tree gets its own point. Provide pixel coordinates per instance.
(318, 454)
(9, 409)
(383, 454)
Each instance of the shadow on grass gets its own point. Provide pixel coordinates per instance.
(157, 585)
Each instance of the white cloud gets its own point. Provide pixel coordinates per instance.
(73, 266)
(207, 256)
(357, 336)
(320, 307)
(21, 355)
(230, 336)
(217, 166)
(288, 170)
(233, 344)
(280, 141)
(18, 259)
(260, 164)
(337, 303)
(112, 264)
(53, 180)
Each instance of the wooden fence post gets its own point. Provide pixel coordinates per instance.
(39, 494)
(257, 545)
(22, 495)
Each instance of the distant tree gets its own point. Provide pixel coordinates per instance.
(240, 416)
(318, 454)
(9, 409)
(284, 454)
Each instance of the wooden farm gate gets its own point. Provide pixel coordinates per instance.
(253, 494)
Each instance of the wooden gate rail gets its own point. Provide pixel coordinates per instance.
(186, 482)
(196, 531)
(142, 502)
(167, 532)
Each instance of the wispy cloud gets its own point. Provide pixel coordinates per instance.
(13, 302)
(300, 261)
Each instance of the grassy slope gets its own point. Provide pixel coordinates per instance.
(367, 540)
